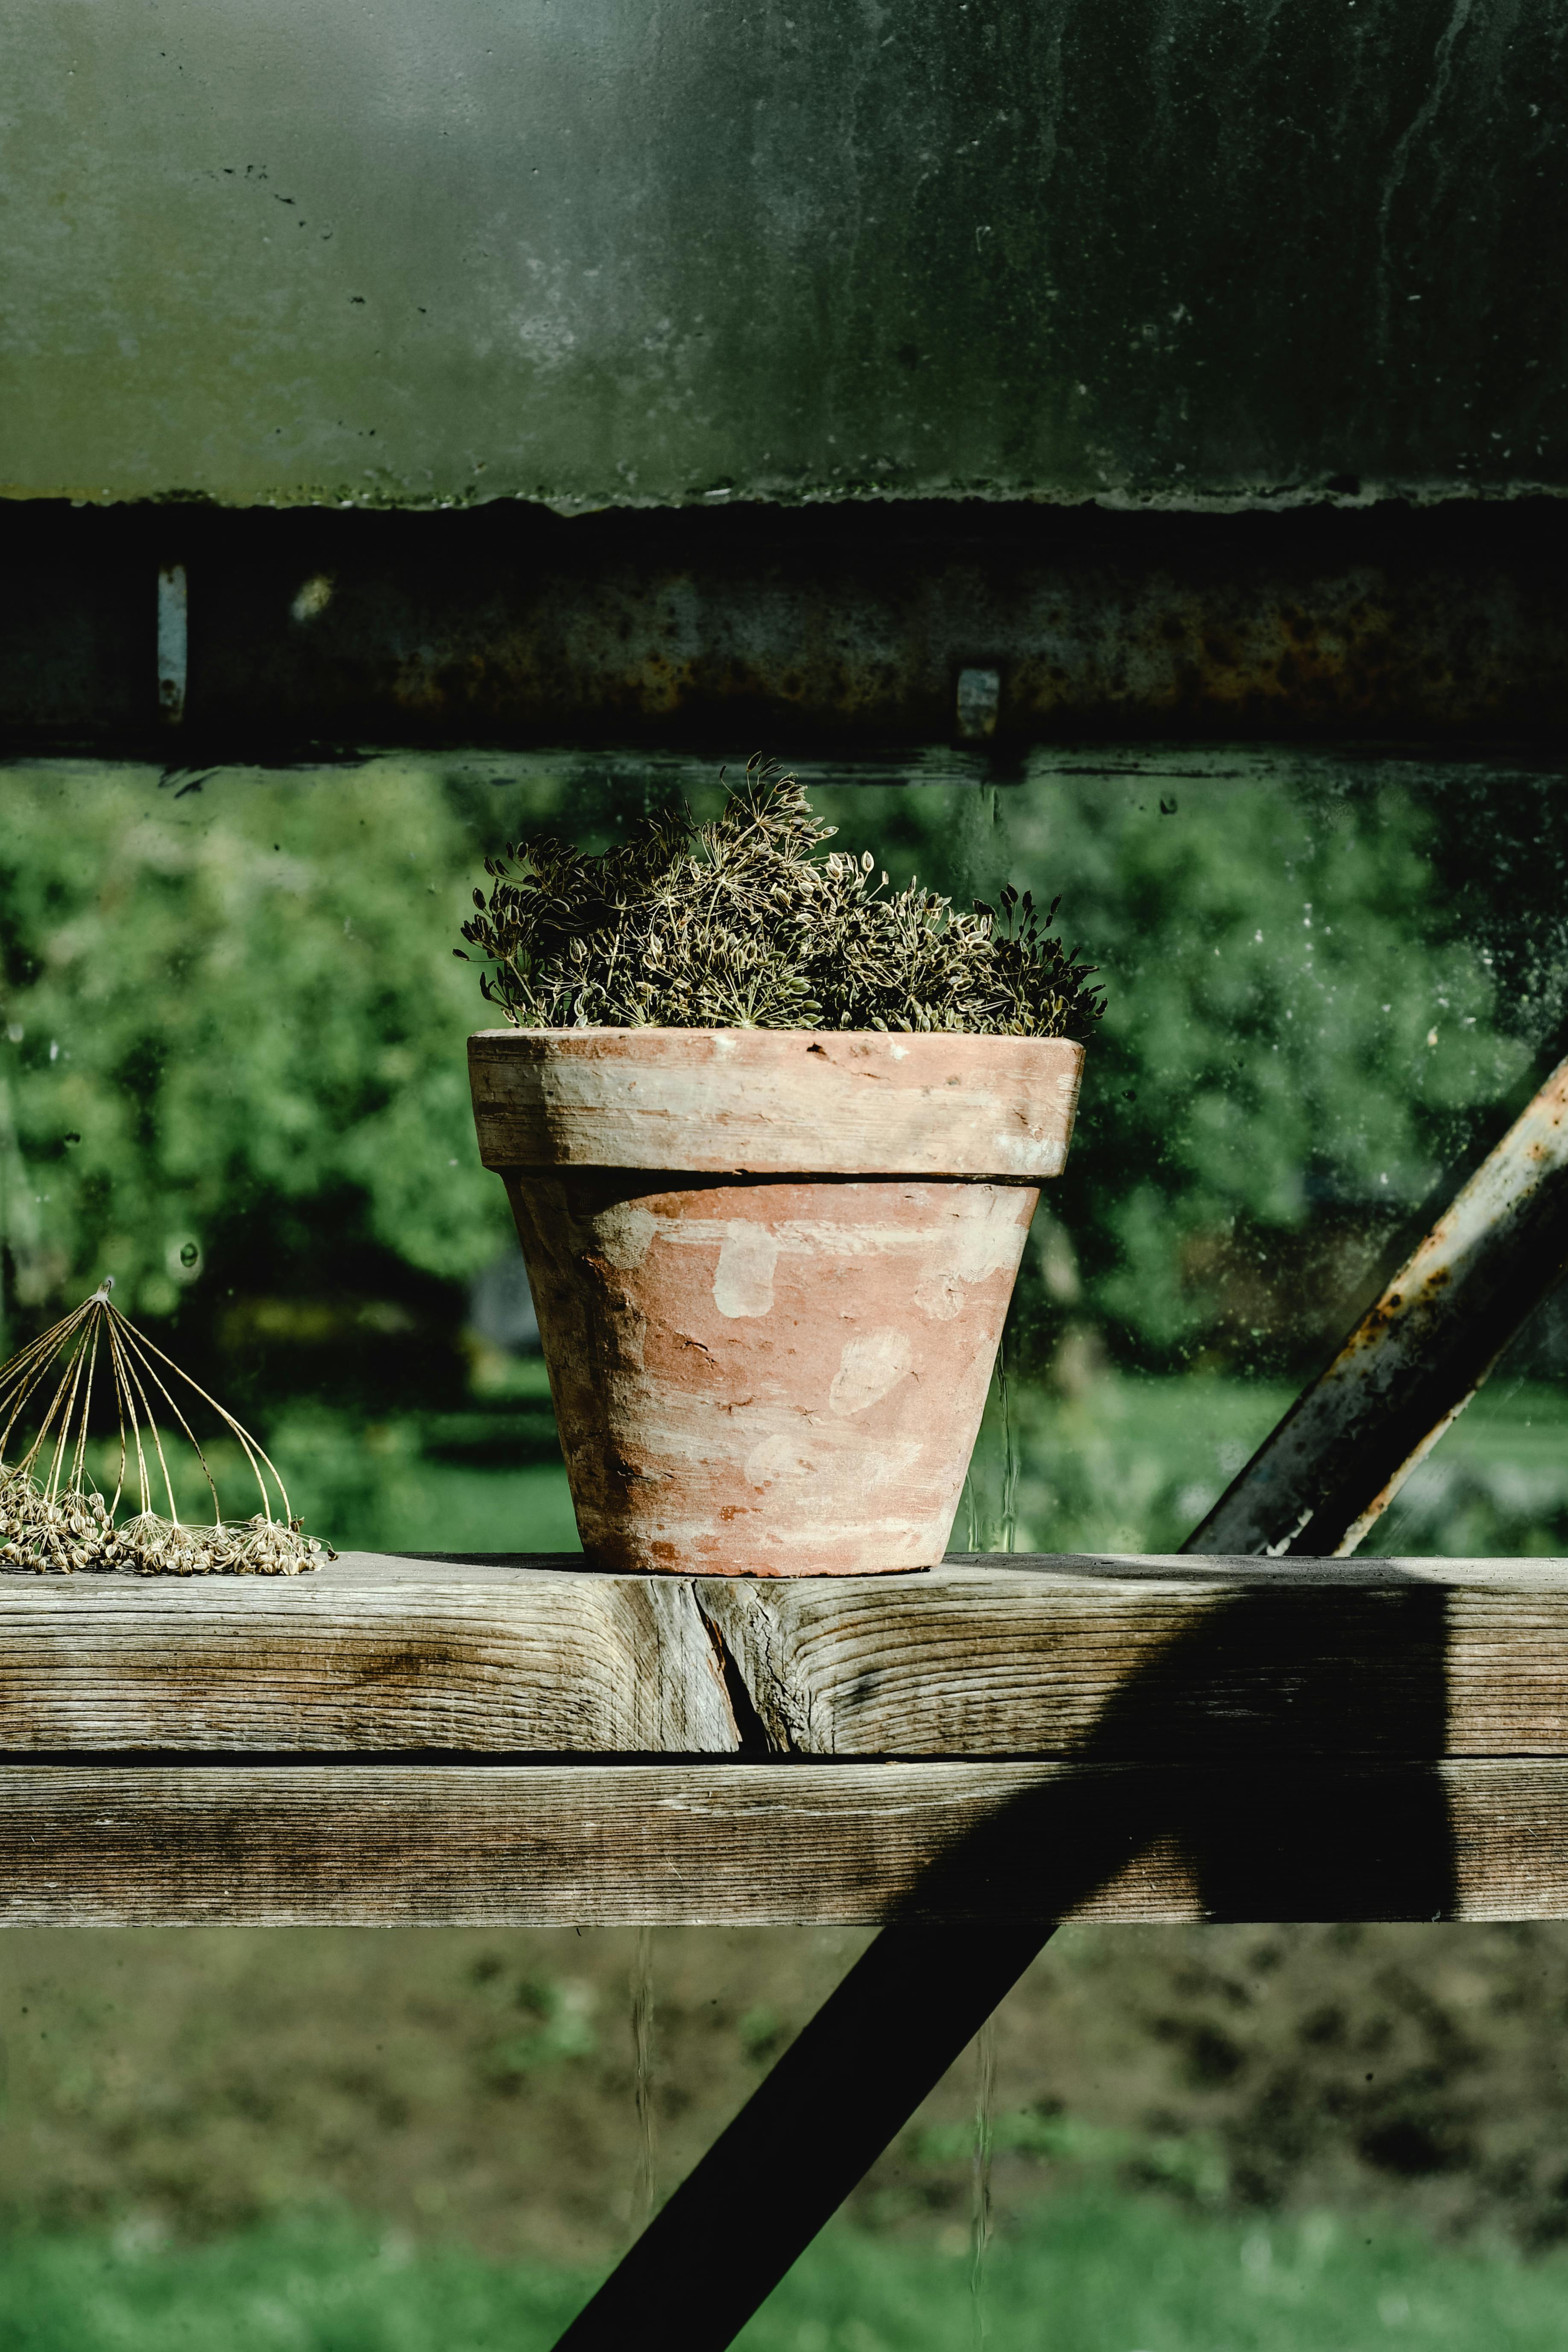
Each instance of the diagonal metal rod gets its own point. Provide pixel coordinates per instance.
(1335, 1463)
(907, 2008)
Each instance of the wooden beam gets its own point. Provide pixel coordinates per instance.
(736, 1845)
(1133, 1658)
(1118, 1659)
(364, 1655)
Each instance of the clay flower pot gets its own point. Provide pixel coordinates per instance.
(771, 1269)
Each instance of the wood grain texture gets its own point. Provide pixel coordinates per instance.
(1115, 1660)
(775, 1102)
(1125, 1662)
(526, 1660)
(563, 1845)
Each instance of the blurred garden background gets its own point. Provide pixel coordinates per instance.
(232, 1076)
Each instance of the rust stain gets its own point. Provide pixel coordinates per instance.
(1340, 1456)
(854, 622)
(1242, 653)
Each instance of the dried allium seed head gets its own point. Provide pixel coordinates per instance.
(55, 1521)
(743, 924)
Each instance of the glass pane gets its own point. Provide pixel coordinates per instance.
(234, 1079)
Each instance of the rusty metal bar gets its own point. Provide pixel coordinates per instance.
(1332, 1467)
(843, 630)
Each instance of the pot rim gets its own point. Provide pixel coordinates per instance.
(737, 1029)
(776, 1102)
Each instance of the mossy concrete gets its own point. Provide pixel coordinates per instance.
(1211, 252)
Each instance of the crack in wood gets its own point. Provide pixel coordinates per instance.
(755, 1622)
(751, 1737)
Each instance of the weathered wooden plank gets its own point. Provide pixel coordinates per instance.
(1129, 1660)
(409, 1655)
(1111, 1659)
(737, 1844)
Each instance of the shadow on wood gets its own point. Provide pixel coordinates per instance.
(1262, 1836)
(1290, 1839)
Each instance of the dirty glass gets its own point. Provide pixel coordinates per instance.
(233, 1078)
(1272, 2139)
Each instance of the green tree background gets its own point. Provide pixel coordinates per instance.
(232, 1071)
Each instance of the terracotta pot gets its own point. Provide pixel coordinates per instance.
(771, 1269)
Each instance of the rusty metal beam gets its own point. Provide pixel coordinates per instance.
(1332, 1467)
(834, 629)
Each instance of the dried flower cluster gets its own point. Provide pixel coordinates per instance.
(74, 1531)
(55, 1521)
(737, 924)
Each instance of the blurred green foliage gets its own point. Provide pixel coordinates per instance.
(1191, 2163)
(1111, 2272)
(246, 994)
(1305, 1027)
(232, 1065)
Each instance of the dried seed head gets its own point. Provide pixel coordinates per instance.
(54, 1520)
(744, 923)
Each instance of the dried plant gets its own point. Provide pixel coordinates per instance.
(739, 924)
(53, 1519)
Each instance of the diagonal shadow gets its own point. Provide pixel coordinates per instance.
(1284, 1751)
(1286, 1746)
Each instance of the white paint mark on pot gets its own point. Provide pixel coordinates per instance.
(990, 1243)
(941, 1296)
(974, 1249)
(780, 1457)
(743, 1277)
(868, 1370)
(625, 1235)
(683, 1432)
(1029, 1155)
(994, 1212)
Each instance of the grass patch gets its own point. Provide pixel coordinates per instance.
(1088, 2273)
(430, 1481)
(321, 2288)
(1095, 2273)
